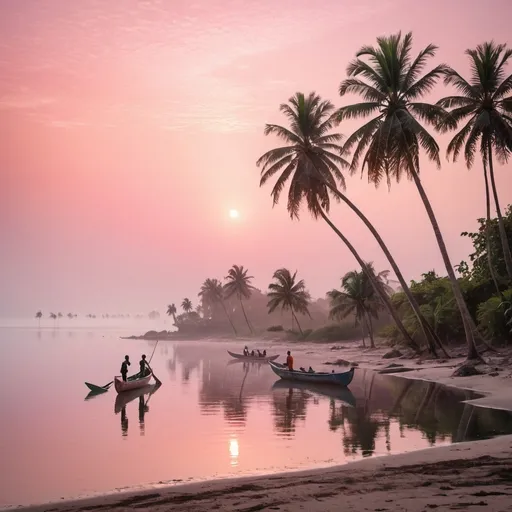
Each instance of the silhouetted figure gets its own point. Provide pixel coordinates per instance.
(124, 367)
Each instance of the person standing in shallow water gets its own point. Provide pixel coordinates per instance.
(289, 360)
(124, 367)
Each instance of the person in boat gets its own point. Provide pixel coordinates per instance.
(310, 370)
(143, 364)
(264, 353)
(259, 353)
(289, 360)
(302, 369)
(246, 351)
(124, 367)
(252, 353)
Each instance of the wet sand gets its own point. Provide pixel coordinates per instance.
(464, 476)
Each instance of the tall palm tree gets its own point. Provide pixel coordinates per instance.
(171, 311)
(239, 284)
(53, 316)
(39, 314)
(310, 159)
(389, 144)
(484, 105)
(187, 306)
(211, 293)
(289, 294)
(358, 298)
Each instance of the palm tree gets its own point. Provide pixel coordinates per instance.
(390, 142)
(186, 305)
(171, 311)
(358, 298)
(484, 104)
(70, 315)
(239, 284)
(39, 314)
(288, 293)
(53, 316)
(310, 159)
(211, 293)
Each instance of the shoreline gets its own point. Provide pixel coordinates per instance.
(295, 487)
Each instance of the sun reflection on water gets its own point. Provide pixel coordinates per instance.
(234, 451)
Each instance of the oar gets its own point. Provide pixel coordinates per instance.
(157, 380)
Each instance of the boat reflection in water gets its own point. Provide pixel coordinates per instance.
(124, 398)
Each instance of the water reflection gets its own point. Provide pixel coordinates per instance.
(375, 407)
(123, 399)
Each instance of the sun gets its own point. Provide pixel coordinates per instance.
(234, 214)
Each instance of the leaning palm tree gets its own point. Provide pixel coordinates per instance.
(187, 306)
(310, 160)
(289, 294)
(484, 105)
(171, 311)
(389, 144)
(39, 315)
(239, 284)
(212, 293)
(357, 298)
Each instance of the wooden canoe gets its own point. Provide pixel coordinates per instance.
(335, 391)
(136, 383)
(340, 379)
(253, 358)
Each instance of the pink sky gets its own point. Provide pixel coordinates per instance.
(129, 129)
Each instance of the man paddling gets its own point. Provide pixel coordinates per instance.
(143, 364)
(124, 367)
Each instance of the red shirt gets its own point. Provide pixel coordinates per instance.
(289, 362)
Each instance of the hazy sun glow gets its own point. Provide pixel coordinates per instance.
(234, 214)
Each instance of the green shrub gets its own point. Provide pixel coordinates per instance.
(335, 332)
(275, 328)
(492, 319)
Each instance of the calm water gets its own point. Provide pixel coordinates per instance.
(209, 419)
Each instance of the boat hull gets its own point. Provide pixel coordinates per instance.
(129, 385)
(340, 379)
(255, 359)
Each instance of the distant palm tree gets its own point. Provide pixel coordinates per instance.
(171, 311)
(187, 306)
(199, 309)
(39, 314)
(53, 316)
(310, 160)
(358, 298)
(70, 315)
(212, 293)
(390, 142)
(239, 284)
(59, 314)
(484, 104)
(289, 294)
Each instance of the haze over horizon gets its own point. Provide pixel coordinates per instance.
(128, 131)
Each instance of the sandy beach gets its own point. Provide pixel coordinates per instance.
(463, 476)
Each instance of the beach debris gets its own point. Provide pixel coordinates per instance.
(394, 365)
(466, 370)
(340, 362)
(392, 354)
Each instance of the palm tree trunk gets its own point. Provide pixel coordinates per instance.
(370, 331)
(362, 333)
(375, 283)
(430, 336)
(503, 233)
(297, 320)
(228, 317)
(245, 315)
(466, 317)
(488, 232)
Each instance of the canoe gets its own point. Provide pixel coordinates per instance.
(122, 386)
(335, 391)
(96, 390)
(340, 379)
(253, 358)
(123, 399)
